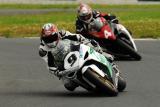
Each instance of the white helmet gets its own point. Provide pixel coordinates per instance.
(85, 13)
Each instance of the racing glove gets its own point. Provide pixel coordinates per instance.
(96, 45)
(42, 52)
(55, 71)
(111, 18)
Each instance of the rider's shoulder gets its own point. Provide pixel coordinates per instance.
(95, 13)
(78, 21)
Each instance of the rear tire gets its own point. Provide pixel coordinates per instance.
(102, 84)
(129, 49)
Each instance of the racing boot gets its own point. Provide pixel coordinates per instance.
(69, 84)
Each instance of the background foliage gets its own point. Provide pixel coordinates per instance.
(142, 20)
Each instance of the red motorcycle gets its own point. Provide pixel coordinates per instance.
(119, 45)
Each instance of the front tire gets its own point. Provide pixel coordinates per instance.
(102, 84)
(121, 83)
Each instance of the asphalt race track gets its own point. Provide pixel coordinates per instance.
(25, 82)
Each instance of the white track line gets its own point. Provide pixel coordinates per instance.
(147, 39)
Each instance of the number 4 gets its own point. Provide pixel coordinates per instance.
(107, 34)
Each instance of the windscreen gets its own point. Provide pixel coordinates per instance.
(96, 24)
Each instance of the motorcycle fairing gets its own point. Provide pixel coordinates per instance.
(93, 55)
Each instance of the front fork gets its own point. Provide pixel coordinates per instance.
(115, 74)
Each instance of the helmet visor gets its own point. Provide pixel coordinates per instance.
(50, 38)
(86, 17)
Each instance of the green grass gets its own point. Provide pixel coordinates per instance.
(30, 25)
(35, 6)
(142, 20)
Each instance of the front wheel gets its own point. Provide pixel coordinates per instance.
(101, 83)
(128, 49)
(121, 83)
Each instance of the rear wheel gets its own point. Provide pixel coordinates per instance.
(129, 49)
(101, 83)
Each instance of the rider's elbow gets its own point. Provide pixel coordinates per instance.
(42, 53)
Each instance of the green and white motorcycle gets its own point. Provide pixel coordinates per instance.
(92, 70)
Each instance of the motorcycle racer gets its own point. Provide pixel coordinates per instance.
(52, 49)
(85, 15)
